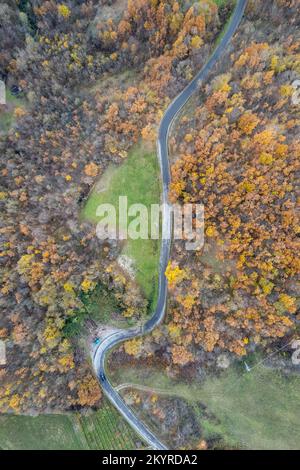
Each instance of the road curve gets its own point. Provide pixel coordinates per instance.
(162, 148)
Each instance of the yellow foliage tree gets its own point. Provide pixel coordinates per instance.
(248, 122)
(174, 274)
(64, 11)
(19, 112)
(288, 302)
(89, 392)
(196, 42)
(15, 402)
(87, 285)
(180, 355)
(66, 362)
(133, 347)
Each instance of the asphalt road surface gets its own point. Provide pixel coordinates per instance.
(162, 147)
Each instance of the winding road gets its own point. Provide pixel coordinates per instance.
(162, 147)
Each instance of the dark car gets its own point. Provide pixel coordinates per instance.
(102, 377)
(15, 90)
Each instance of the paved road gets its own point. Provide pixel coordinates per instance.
(162, 147)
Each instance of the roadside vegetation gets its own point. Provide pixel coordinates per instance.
(99, 305)
(222, 3)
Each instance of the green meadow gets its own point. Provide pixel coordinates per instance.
(138, 178)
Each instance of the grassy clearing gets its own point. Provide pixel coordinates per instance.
(7, 118)
(103, 429)
(220, 3)
(138, 179)
(258, 410)
(255, 410)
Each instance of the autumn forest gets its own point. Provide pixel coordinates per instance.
(87, 81)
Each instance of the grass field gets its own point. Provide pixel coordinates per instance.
(255, 410)
(138, 179)
(259, 410)
(53, 432)
(104, 429)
